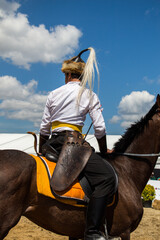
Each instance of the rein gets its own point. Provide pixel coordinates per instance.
(138, 155)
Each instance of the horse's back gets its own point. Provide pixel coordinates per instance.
(15, 159)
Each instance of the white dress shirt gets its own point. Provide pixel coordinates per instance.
(62, 106)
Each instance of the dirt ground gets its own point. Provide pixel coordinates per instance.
(149, 229)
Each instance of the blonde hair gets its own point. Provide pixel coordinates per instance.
(88, 74)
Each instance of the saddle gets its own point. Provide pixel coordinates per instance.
(72, 159)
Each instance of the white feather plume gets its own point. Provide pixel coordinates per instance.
(88, 74)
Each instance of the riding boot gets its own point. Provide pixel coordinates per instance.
(95, 215)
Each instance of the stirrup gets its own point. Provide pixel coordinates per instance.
(95, 236)
(105, 229)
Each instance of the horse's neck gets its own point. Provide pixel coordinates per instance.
(140, 168)
(147, 142)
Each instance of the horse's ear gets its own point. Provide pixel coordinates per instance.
(158, 100)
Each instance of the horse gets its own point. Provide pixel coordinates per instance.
(133, 158)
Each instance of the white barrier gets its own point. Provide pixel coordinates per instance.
(156, 185)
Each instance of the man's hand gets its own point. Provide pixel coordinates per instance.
(109, 151)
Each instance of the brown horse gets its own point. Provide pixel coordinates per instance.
(19, 196)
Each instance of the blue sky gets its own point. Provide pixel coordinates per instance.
(37, 35)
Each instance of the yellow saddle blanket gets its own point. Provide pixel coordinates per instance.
(74, 196)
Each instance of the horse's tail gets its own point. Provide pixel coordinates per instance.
(35, 142)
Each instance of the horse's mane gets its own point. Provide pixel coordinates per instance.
(134, 131)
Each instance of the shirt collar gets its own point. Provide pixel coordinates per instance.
(73, 83)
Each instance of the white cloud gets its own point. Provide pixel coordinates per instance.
(132, 107)
(8, 7)
(152, 80)
(20, 101)
(11, 88)
(126, 124)
(136, 103)
(148, 80)
(115, 119)
(149, 11)
(24, 44)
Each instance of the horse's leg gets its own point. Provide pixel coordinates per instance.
(126, 235)
(12, 205)
(7, 223)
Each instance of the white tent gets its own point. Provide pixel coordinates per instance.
(25, 142)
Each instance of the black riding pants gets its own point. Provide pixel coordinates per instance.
(101, 176)
(98, 171)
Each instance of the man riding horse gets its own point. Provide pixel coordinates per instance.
(64, 115)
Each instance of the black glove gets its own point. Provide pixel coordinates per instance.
(42, 140)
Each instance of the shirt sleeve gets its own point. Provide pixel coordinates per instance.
(45, 127)
(95, 113)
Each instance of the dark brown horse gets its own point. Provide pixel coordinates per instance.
(18, 192)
